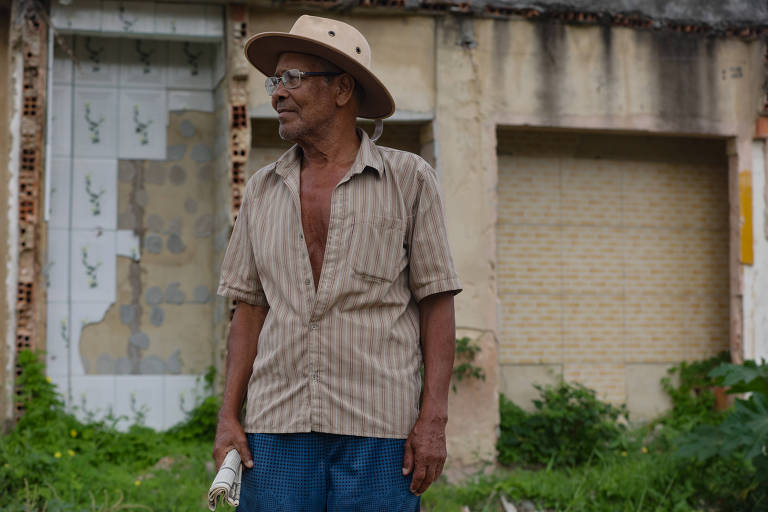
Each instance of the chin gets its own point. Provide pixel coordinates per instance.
(288, 133)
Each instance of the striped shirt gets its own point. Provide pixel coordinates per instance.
(345, 358)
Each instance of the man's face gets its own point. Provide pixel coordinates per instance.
(307, 109)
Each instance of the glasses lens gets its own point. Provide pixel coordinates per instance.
(271, 84)
(291, 78)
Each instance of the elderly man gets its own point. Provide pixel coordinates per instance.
(340, 265)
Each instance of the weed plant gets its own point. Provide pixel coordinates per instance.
(568, 425)
(52, 462)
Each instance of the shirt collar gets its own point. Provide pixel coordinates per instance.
(367, 156)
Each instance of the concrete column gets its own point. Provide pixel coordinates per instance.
(466, 162)
(756, 275)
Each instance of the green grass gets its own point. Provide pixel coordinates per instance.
(53, 462)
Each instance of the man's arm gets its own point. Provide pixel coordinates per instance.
(425, 450)
(241, 351)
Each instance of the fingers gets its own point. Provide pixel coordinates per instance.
(428, 479)
(419, 474)
(407, 458)
(245, 453)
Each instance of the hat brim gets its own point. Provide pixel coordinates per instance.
(263, 51)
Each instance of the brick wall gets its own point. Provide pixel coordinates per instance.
(611, 251)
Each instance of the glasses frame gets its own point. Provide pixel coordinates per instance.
(273, 82)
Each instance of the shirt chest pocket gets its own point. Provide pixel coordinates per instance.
(376, 249)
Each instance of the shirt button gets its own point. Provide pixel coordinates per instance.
(313, 327)
(301, 236)
(306, 282)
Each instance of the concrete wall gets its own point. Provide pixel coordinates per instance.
(473, 76)
(6, 355)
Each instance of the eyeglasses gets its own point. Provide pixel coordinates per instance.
(291, 79)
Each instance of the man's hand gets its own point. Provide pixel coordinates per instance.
(241, 351)
(425, 453)
(230, 435)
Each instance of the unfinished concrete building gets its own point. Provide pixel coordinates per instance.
(603, 167)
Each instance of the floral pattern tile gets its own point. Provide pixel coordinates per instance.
(81, 15)
(56, 267)
(94, 193)
(128, 17)
(181, 393)
(140, 393)
(57, 339)
(179, 100)
(190, 65)
(143, 120)
(143, 63)
(92, 395)
(95, 122)
(93, 266)
(62, 61)
(61, 120)
(99, 62)
(177, 19)
(59, 195)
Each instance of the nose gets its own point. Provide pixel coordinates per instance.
(279, 94)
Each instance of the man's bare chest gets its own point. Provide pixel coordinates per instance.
(315, 218)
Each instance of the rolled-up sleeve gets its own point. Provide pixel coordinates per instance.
(431, 265)
(239, 278)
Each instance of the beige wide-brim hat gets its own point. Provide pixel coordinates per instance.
(334, 41)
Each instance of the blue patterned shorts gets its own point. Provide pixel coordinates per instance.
(316, 472)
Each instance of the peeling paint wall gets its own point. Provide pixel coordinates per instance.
(161, 322)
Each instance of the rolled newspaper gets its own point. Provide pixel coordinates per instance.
(226, 484)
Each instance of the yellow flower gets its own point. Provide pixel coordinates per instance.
(6, 465)
(71, 453)
(623, 454)
(57, 455)
(73, 433)
(644, 449)
(137, 483)
(48, 380)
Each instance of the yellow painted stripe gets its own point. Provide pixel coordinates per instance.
(745, 214)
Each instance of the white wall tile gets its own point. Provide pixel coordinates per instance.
(57, 266)
(219, 63)
(180, 19)
(57, 339)
(61, 176)
(135, 393)
(92, 395)
(128, 244)
(94, 193)
(80, 15)
(62, 62)
(143, 63)
(61, 120)
(62, 386)
(190, 65)
(95, 122)
(82, 314)
(182, 393)
(93, 261)
(128, 17)
(214, 20)
(190, 100)
(143, 120)
(99, 61)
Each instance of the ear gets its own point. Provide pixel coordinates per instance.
(345, 89)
